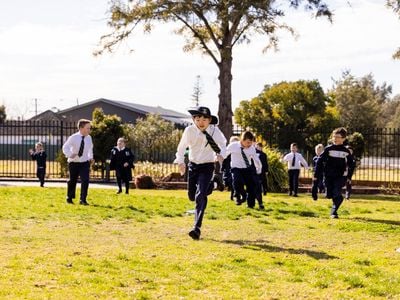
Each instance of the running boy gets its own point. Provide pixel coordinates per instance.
(207, 144)
(334, 163)
(244, 175)
(317, 185)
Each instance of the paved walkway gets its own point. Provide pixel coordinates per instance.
(54, 184)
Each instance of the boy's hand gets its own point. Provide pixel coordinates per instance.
(220, 158)
(182, 169)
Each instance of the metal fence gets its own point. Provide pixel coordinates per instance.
(380, 161)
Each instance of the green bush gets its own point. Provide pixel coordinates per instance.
(62, 160)
(277, 175)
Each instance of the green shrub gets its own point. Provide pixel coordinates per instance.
(62, 160)
(277, 175)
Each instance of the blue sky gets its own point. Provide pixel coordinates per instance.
(46, 54)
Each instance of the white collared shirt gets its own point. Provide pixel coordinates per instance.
(200, 151)
(72, 145)
(299, 161)
(237, 161)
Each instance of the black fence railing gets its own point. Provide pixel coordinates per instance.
(380, 160)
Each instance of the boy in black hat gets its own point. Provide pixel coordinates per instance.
(207, 144)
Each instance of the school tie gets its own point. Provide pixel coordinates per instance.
(80, 152)
(246, 160)
(293, 160)
(212, 143)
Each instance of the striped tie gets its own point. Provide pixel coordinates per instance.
(212, 143)
(80, 152)
(246, 160)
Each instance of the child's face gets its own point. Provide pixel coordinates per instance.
(85, 130)
(338, 139)
(120, 143)
(38, 148)
(246, 143)
(318, 151)
(293, 148)
(201, 122)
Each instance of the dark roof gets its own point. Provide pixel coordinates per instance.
(168, 114)
(47, 115)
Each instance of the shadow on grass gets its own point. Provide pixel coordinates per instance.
(301, 213)
(116, 208)
(389, 222)
(262, 245)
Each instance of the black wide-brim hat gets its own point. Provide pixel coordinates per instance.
(203, 111)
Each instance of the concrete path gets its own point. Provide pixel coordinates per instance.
(54, 184)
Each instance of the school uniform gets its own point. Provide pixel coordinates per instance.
(350, 173)
(334, 163)
(118, 159)
(318, 184)
(264, 170)
(40, 157)
(200, 167)
(243, 174)
(79, 166)
(227, 174)
(294, 162)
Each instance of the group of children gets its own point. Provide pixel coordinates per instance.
(121, 160)
(243, 170)
(243, 164)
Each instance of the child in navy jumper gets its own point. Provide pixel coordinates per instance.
(349, 176)
(40, 156)
(336, 164)
(318, 185)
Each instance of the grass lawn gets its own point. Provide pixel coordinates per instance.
(136, 247)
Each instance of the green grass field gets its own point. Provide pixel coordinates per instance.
(136, 247)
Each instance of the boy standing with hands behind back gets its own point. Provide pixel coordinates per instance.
(207, 144)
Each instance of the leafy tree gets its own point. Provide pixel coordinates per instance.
(287, 108)
(214, 27)
(395, 5)
(359, 101)
(3, 115)
(154, 139)
(391, 113)
(106, 129)
(357, 142)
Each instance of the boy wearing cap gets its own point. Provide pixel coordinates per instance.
(207, 144)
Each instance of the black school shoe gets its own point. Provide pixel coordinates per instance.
(83, 202)
(69, 201)
(194, 234)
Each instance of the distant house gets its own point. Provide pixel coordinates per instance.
(47, 115)
(127, 111)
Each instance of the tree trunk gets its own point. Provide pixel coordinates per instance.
(225, 96)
